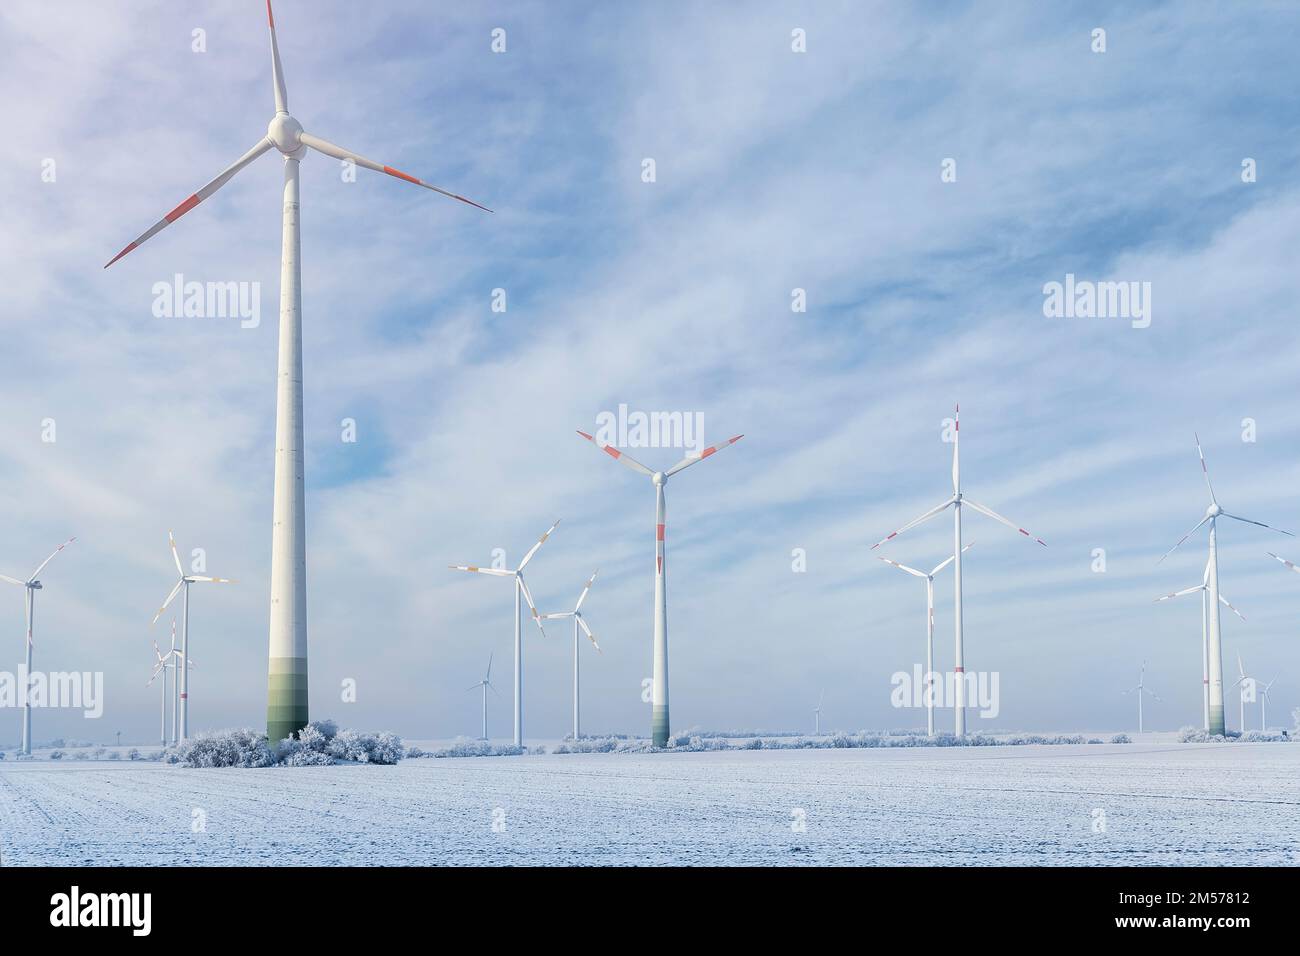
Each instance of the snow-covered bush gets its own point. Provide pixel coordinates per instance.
(1121, 739)
(114, 756)
(225, 748)
(133, 754)
(381, 748)
(414, 752)
(465, 747)
(56, 754)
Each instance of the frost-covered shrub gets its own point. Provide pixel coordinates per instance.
(56, 754)
(225, 748)
(1121, 739)
(98, 753)
(114, 756)
(2, 755)
(465, 747)
(310, 748)
(414, 752)
(755, 744)
(366, 748)
(133, 754)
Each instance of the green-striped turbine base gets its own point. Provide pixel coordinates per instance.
(286, 697)
(1216, 719)
(659, 726)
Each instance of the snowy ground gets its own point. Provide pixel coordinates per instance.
(1164, 803)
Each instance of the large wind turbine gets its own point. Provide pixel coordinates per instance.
(286, 707)
(659, 691)
(929, 630)
(521, 589)
(956, 502)
(1141, 689)
(485, 684)
(1212, 514)
(32, 584)
(183, 678)
(1204, 589)
(578, 622)
(162, 666)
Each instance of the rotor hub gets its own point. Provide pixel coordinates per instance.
(285, 134)
(1213, 511)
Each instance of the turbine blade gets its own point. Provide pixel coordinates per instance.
(497, 572)
(956, 445)
(170, 598)
(205, 578)
(582, 623)
(559, 615)
(1204, 470)
(171, 539)
(204, 192)
(692, 459)
(913, 523)
(488, 676)
(902, 567)
(618, 455)
(949, 560)
(997, 517)
(8, 580)
(1269, 553)
(1229, 606)
(41, 566)
(583, 596)
(1174, 594)
(532, 605)
(1260, 523)
(540, 541)
(277, 73)
(1184, 538)
(1205, 580)
(338, 152)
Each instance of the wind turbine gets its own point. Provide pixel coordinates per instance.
(286, 708)
(1263, 705)
(1204, 588)
(485, 684)
(183, 678)
(32, 584)
(817, 715)
(521, 589)
(578, 622)
(1141, 689)
(929, 630)
(956, 502)
(1215, 649)
(659, 691)
(162, 666)
(1247, 685)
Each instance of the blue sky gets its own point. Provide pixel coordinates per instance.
(775, 170)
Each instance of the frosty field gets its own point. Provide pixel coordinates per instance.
(1192, 804)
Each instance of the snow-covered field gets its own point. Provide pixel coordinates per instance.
(1163, 803)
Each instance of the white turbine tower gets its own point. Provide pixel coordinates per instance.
(957, 502)
(1263, 705)
(1204, 589)
(1141, 689)
(485, 684)
(182, 661)
(578, 622)
(1215, 649)
(287, 659)
(1246, 685)
(521, 589)
(930, 689)
(817, 715)
(659, 691)
(32, 584)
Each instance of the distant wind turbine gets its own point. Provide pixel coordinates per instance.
(521, 589)
(286, 707)
(578, 622)
(1246, 685)
(486, 685)
(1204, 589)
(817, 714)
(183, 677)
(1263, 705)
(1141, 689)
(659, 690)
(956, 502)
(929, 630)
(1215, 650)
(32, 584)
